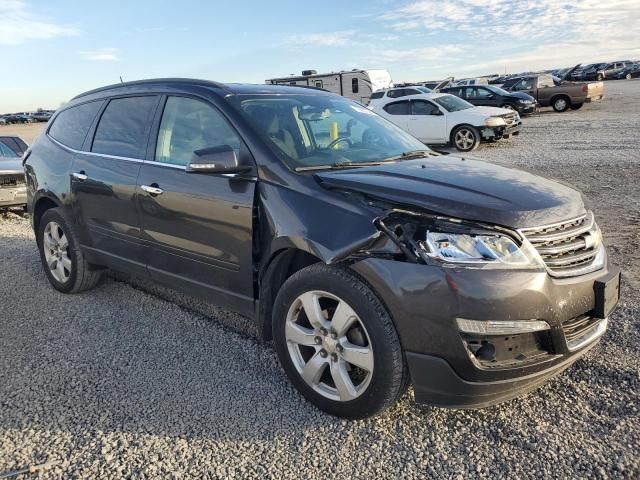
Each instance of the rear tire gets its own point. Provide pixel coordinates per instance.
(465, 138)
(600, 77)
(628, 76)
(577, 106)
(561, 103)
(325, 318)
(64, 263)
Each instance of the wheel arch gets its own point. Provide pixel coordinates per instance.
(281, 265)
(40, 206)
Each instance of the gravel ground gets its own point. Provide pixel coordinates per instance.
(134, 381)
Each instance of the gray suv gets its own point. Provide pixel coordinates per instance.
(370, 261)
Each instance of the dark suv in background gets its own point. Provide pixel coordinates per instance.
(492, 96)
(371, 261)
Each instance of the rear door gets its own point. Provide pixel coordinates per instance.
(427, 123)
(398, 113)
(199, 225)
(104, 179)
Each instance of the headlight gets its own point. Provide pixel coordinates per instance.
(494, 122)
(494, 249)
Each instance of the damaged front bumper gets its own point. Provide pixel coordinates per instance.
(13, 196)
(458, 369)
(496, 133)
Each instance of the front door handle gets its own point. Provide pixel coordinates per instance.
(152, 189)
(79, 175)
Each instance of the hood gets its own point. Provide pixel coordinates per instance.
(484, 111)
(11, 165)
(522, 95)
(464, 188)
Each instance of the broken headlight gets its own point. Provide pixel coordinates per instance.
(469, 248)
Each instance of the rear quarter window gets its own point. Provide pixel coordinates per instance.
(70, 127)
(398, 108)
(123, 129)
(377, 95)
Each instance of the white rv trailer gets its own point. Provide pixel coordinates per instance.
(354, 84)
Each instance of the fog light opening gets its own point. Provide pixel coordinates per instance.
(487, 352)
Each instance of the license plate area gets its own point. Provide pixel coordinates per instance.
(607, 292)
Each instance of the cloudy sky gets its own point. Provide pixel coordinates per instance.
(53, 50)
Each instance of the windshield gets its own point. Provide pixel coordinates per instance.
(6, 151)
(321, 130)
(451, 103)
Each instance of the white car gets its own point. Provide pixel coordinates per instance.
(443, 119)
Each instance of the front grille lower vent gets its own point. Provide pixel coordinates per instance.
(11, 180)
(567, 246)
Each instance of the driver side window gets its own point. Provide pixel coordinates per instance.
(188, 125)
(421, 107)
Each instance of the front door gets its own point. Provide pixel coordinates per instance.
(427, 123)
(199, 226)
(103, 182)
(481, 96)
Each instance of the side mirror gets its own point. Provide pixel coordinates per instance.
(220, 159)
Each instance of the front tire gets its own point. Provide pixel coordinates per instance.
(465, 138)
(628, 76)
(337, 343)
(64, 263)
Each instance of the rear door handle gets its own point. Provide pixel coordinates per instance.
(152, 189)
(79, 176)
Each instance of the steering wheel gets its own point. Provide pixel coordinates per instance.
(339, 140)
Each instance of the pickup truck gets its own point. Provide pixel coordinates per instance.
(560, 95)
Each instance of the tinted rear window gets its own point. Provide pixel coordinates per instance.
(71, 125)
(123, 130)
(398, 108)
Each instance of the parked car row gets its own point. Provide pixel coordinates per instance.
(26, 117)
(13, 191)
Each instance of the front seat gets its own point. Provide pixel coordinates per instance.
(268, 117)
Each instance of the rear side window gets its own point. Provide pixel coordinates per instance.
(189, 125)
(377, 95)
(70, 127)
(398, 92)
(398, 108)
(123, 130)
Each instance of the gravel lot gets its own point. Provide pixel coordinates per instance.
(130, 380)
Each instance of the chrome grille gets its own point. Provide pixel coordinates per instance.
(567, 247)
(11, 180)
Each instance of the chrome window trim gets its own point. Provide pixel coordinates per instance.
(93, 154)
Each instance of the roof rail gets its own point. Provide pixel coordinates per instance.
(151, 81)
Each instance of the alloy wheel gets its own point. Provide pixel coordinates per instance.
(56, 252)
(329, 345)
(464, 139)
(561, 104)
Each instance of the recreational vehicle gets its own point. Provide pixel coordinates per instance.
(354, 84)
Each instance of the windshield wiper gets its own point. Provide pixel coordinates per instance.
(339, 165)
(410, 155)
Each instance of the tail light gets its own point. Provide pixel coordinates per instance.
(585, 88)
